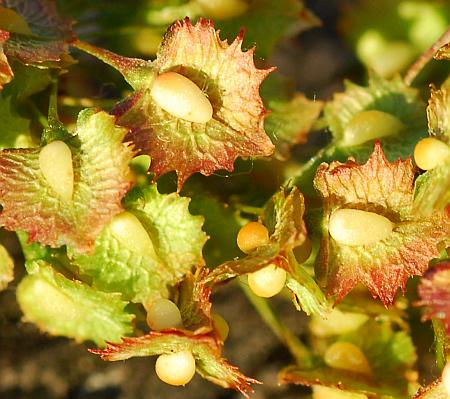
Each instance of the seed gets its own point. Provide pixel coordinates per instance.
(267, 281)
(223, 9)
(176, 368)
(346, 356)
(127, 228)
(252, 236)
(221, 326)
(370, 125)
(446, 378)
(355, 227)
(181, 97)
(163, 314)
(55, 162)
(430, 152)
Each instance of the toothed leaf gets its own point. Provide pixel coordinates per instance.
(390, 96)
(432, 191)
(387, 189)
(389, 353)
(6, 268)
(283, 217)
(209, 363)
(100, 162)
(231, 82)
(38, 35)
(177, 239)
(70, 308)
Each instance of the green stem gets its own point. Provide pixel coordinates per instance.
(441, 349)
(415, 69)
(284, 334)
(38, 115)
(53, 103)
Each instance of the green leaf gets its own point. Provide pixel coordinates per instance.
(209, 363)
(14, 128)
(6, 268)
(177, 239)
(432, 189)
(390, 96)
(101, 178)
(231, 83)
(390, 354)
(178, 234)
(290, 122)
(386, 189)
(283, 217)
(38, 35)
(306, 294)
(70, 308)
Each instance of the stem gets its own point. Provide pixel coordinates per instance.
(38, 115)
(53, 104)
(440, 337)
(284, 334)
(130, 68)
(415, 68)
(84, 102)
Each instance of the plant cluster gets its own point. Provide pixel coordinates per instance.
(118, 255)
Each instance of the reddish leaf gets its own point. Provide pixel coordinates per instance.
(6, 72)
(434, 291)
(387, 189)
(209, 363)
(231, 82)
(101, 178)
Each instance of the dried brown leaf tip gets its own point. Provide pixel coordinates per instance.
(203, 109)
(370, 233)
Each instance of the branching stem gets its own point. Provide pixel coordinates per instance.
(279, 328)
